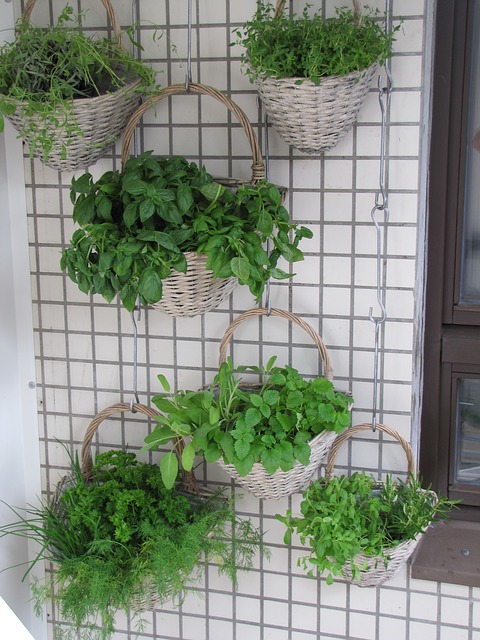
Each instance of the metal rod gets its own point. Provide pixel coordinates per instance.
(381, 205)
(135, 356)
(268, 302)
(188, 77)
(136, 21)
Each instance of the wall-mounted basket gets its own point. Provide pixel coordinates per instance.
(374, 571)
(197, 291)
(311, 117)
(94, 123)
(281, 483)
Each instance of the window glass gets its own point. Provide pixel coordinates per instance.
(468, 432)
(470, 276)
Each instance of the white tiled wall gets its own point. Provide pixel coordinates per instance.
(85, 346)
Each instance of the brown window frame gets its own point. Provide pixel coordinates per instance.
(452, 330)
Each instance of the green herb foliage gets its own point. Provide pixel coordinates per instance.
(49, 68)
(135, 226)
(311, 47)
(342, 517)
(272, 425)
(124, 535)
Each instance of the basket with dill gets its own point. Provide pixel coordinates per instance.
(119, 540)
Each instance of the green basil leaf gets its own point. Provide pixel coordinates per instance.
(240, 268)
(130, 214)
(146, 210)
(150, 286)
(184, 197)
(84, 210)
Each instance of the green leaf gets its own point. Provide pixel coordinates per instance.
(146, 210)
(184, 197)
(163, 381)
(271, 396)
(228, 448)
(82, 184)
(271, 459)
(150, 286)
(84, 210)
(252, 417)
(169, 469)
(265, 224)
(240, 268)
(103, 207)
(212, 453)
(130, 214)
(188, 457)
(242, 448)
(211, 191)
(214, 415)
(244, 466)
(105, 261)
(280, 274)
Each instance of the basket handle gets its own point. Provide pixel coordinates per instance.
(188, 481)
(339, 440)
(357, 9)
(106, 3)
(258, 167)
(279, 313)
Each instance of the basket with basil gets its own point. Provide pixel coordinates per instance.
(118, 539)
(311, 73)
(271, 436)
(69, 95)
(164, 231)
(359, 528)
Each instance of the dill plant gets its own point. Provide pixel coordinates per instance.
(120, 537)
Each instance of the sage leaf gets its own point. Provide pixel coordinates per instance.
(169, 469)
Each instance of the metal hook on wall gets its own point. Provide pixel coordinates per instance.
(135, 356)
(381, 205)
(268, 302)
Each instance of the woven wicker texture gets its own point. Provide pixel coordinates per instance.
(281, 483)
(197, 291)
(373, 570)
(100, 119)
(314, 118)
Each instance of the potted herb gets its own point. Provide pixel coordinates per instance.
(121, 540)
(69, 95)
(270, 436)
(312, 73)
(359, 528)
(140, 225)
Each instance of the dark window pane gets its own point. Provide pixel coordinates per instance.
(467, 469)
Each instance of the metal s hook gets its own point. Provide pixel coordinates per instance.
(381, 205)
(135, 355)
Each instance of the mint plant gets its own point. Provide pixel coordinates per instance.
(342, 517)
(310, 47)
(44, 70)
(272, 425)
(137, 224)
(122, 537)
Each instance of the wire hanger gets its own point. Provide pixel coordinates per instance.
(384, 88)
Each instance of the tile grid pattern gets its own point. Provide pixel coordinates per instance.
(85, 347)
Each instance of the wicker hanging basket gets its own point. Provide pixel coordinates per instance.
(313, 118)
(197, 291)
(373, 570)
(99, 120)
(188, 485)
(281, 483)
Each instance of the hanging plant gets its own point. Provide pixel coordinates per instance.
(271, 425)
(138, 224)
(122, 541)
(69, 95)
(312, 73)
(359, 528)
